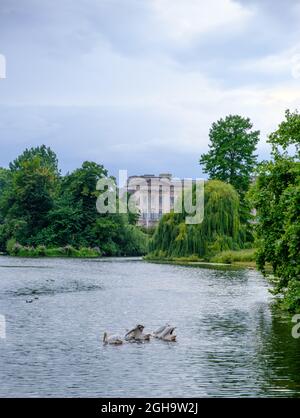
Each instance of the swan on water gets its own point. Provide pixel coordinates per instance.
(136, 334)
(112, 339)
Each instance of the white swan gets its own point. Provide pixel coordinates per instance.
(136, 334)
(112, 339)
(165, 333)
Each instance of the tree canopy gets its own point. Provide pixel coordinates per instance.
(40, 207)
(276, 197)
(220, 229)
(47, 158)
(231, 155)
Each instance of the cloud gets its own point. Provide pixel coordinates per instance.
(137, 85)
(283, 63)
(184, 21)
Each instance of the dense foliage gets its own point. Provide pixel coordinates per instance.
(231, 155)
(276, 197)
(41, 210)
(220, 229)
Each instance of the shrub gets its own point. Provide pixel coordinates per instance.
(229, 257)
(291, 301)
(15, 249)
(10, 246)
(41, 250)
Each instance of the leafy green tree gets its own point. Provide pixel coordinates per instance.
(287, 135)
(231, 155)
(48, 158)
(220, 229)
(276, 197)
(65, 225)
(25, 206)
(80, 186)
(5, 181)
(57, 214)
(4, 178)
(75, 221)
(27, 192)
(32, 193)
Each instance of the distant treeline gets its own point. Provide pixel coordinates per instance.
(45, 213)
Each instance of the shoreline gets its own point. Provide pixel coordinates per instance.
(100, 257)
(251, 265)
(229, 259)
(183, 262)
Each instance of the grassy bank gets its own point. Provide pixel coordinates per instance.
(17, 250)
(241, 258)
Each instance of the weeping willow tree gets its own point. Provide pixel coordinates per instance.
(220, 229)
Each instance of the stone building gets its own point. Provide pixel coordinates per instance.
(154, 196)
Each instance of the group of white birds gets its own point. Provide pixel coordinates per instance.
(165, 333)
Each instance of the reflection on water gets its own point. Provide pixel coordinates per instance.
(231, 340)
(279, 355)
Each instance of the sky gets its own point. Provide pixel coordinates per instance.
(136, 84)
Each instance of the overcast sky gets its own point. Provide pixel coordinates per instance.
(136, 84)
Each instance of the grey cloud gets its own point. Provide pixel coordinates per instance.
(64, 29)
(72, 54)
(113, 136)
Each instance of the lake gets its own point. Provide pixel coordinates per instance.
(232, 341)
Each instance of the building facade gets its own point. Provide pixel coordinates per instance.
(153, 196)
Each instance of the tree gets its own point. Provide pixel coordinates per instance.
(32, 193)
(231, 156)
(74, 219)
(27, 193)
(48, 158)
(41, 208)
(287, 135)
(276, 197)
(26, 201)
(65, 225)
(4, 178)
(80, 186)
(220, 229)
(5, 181)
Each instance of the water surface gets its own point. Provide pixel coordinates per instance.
(231, 342)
